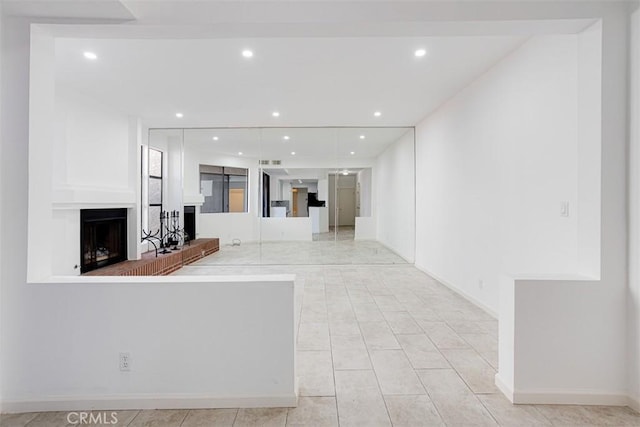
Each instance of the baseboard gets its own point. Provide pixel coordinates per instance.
(504, 388)
(460, 292)
(634, 403)
(124, 402)
(390, 249)
(570, 397)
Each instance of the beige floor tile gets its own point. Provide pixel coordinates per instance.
(388, 303)
(473, 369)
(574, 415)
(159, 418)
(263, 417)
(210, 417)
(443, 382)
(410, 411)
(349, 352)
(401, 322)
(360, 402)
(378, 336)
(313, 336)
(350, 327)
(52, 419)
(314, 411)
(442, 335)
(16, 420)
(421, 352)
(462, 410)
(394, 372)
(510, 415)
(105, 418)
(315, 373)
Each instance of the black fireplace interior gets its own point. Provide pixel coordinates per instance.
(103, 237)
(190, 222)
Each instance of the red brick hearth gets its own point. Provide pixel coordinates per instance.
(164, 264)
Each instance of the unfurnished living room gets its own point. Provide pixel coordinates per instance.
(322, 213)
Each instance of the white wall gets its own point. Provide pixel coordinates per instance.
(91, 140)
(202, 342)
(633, 299)
(364, 179)
(394, 186)
(495, 163)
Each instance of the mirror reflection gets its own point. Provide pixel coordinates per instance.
(274, 195)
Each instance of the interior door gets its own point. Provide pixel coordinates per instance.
(346, 206)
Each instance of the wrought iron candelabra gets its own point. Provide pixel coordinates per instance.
(169, 235)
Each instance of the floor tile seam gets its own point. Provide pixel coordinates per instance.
(434, 346)
(131, 420)
(186, 413)
(477, 353)
(372, 366)
(333, 366)
(433, 402)
(494, 417)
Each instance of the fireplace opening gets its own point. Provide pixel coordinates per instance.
(103, 237)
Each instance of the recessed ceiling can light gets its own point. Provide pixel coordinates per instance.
(90, 55)
(377, 114)
(361, 136)
(293, 153)
(352, 153)
(276, 114)
(239, 153)
(286, 137)
(419, 53)
(247, 53)
(345, 173)
(179, 115)
(215, 138)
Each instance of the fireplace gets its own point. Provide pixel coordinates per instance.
(103, 237)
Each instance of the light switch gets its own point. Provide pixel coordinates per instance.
(564, 208)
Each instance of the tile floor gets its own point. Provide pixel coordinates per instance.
(378, 345)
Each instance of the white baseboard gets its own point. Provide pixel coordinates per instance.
(124, 402)
(569, 397)
(504, 388)
(460, 292)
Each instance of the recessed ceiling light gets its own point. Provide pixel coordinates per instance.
(361, 136)
(377, 114)
(293, 153)
(239, 153)
(352, 153)
(247, 53)
(276, 114)
(286, 137)
(179, 115)
(345, 173)
(90, 55)
(419, 53)
(215, 138)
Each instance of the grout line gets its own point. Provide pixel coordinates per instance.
(369, 355)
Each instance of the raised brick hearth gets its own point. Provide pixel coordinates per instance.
(164, 264)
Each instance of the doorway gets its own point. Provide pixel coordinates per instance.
(346, 207)
(300, 202)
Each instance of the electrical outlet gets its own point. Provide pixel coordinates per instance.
(564, 208)
(125, 362)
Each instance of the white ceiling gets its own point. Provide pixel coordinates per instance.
(309, 144)
(310, 81)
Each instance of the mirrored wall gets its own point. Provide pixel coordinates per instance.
(283, 195)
